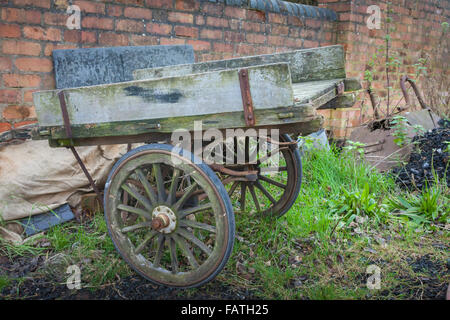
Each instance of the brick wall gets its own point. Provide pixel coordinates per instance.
(31, 29)
(416, 28)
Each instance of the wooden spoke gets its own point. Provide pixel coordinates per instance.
(185, 212)
(159, 182)
(243, 190)
(159, 250)
(187, 193)
(274, 169)
(173, 186)
(233, 188)
(186, 251)
(271, 181)
(269, 154)
(198, 225)
(136, 226)
(173, 255)
(135, 194)
(142, 245)
(190, 236)
(148, 188)
(265, 192)
(251, 187)
(137, 211)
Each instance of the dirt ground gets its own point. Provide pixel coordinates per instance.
(32, 284)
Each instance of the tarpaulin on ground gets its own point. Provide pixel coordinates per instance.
(35, 178)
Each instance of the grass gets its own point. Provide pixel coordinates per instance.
(315, 251)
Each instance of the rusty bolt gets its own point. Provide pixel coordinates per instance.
(160, 222)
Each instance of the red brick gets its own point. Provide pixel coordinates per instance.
(21, 15)
(255, 38)
(139, 3)
(281, 30)
(211, 34)
(138, 40)
(231, 36)
(164, 41)
(90, 6)
(217, 22)
(112, 39)
(213, 9)
(56, 19)
(245, 49)
(18, 112)
(21, 47)
(235, 24)
(235, 12)
(39, 33)
(163, 29)
(9, 96)
(28, 95)
(130, 26)
(311, 23)
(189, 32)
(97, 23)
(34, 64)
(293, 42)
(187, 5)
(256, 15)
(180, 17)
(48, 81)
(24, 123)
(33, 3)
(167, 4)
(80, 36)
(308, 33)
(5, 64)
(200, 45)
(115, 11)
(4, 126)
(296, 21)
(275, 40)
(9, 31)
(252, 26)
(223, 47)
(264, 50)
(277, 18)
(50, 47)
(138, 13)
(200, 20)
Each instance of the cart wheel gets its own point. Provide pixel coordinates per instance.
(275, 190)
(169, 216)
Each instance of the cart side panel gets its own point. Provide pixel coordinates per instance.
(314, 64)
(189, 95)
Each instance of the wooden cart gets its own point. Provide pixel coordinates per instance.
(169, 211)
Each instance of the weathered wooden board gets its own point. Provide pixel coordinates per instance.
(287, 120)
(315, 92)
(347, 100)
(321, 63)
(93, 66)
(189, 95)
(263, 117)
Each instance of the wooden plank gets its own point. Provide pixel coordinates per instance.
(321, 63)
(347, 100)
(315, 92)
(292, 125)
(184, 96)
(263, 117)
(94, 66)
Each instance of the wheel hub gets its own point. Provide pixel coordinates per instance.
(164, 219)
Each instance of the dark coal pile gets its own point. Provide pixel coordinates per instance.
(430, 154)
